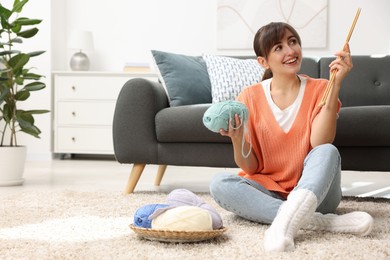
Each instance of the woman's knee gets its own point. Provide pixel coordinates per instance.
(327, 152)
(219, 183)
(329, 149)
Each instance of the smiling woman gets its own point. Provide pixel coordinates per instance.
(274, 186)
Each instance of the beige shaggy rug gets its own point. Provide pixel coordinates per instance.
(94, 225)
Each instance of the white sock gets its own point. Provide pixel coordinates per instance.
(357, 222)
(293, 214)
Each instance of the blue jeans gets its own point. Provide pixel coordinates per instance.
(321, 174)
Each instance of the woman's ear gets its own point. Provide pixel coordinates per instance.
(262, 62)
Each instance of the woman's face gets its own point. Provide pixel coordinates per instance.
(285, 56)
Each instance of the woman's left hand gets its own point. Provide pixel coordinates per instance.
(343, 64)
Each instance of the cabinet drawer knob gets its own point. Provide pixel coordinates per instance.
(74, 139)
(74, 114)
(73, 88)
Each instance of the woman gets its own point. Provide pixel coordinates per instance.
(291, 179)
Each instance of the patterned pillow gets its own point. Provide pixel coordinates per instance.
(228, 76)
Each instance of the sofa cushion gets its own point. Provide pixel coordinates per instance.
(310, 67)
(184, 125)
(228, 76)
(363, 126)
(184, 78)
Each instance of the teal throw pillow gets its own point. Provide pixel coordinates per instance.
(185, 78)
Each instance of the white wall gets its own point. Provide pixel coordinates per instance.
(125, 30)
(371, 34)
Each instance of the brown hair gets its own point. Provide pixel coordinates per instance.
(267, 36)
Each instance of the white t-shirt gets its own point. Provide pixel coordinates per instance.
(284, 117)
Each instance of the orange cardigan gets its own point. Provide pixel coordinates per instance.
(282, 154)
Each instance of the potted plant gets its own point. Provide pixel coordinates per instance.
(16, 83)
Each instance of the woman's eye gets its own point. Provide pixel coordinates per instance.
(293, 41)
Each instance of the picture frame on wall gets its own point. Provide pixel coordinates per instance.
(238, 21)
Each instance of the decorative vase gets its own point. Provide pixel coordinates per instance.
(79, 62)
(12, 161)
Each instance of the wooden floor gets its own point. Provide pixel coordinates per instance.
(108, 175)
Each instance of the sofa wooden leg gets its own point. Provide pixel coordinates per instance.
(160, 174)
(134, 177)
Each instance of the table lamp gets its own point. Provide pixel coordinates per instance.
(80, 40)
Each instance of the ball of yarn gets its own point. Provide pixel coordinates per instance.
(141, 216)
(183, 218)
(217, 116)
(182, 197)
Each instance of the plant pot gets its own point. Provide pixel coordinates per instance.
(12, 161)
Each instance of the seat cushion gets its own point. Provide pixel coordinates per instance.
(357, 126)
(367, 126)
(183, 124)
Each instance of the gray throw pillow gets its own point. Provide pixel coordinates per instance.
(185, 78)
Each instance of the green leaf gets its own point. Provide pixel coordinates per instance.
(19, 80)
(28, 33)
(5, 13)
(4, 93)
(18, 5)
(35, 53)
(24, 119)
(22, 95)
(7, 112)
(26, 21)
(32, 76)
(18, 61)
(4, 22)
(17, 40)
(16, 28)
(32, 130)
(36, 112)
(34, 86)
(3, 53)
(26, 123)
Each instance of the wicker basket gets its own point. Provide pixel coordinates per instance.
(176, 236)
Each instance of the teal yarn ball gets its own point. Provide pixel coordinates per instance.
(217, 116)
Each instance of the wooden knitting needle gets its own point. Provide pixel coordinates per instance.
(333, 74)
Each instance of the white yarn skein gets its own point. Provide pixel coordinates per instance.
(184, 218)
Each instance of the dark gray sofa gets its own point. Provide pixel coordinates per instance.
(146, 130)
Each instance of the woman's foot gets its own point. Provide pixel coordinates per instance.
(357, 222)
(293, 214)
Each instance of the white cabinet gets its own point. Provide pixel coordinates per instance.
(84, 104)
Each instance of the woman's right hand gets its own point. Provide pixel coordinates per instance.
(235, 129)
